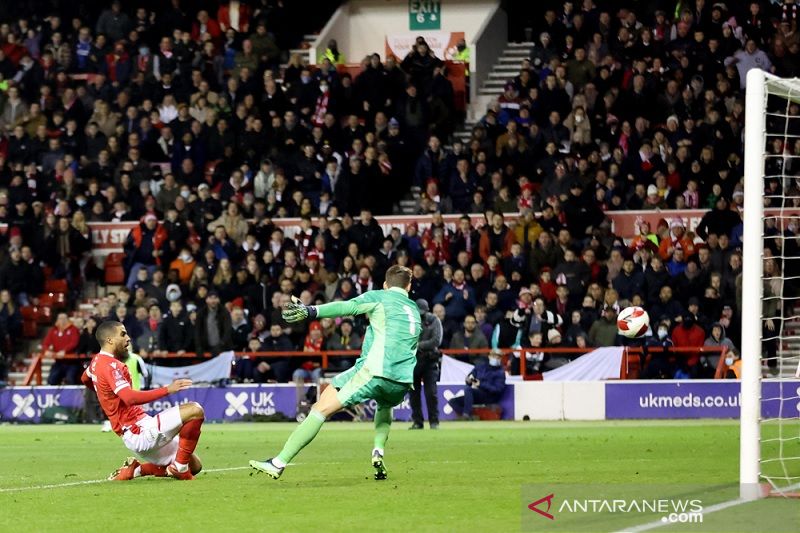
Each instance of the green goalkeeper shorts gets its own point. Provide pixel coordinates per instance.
(358, 385)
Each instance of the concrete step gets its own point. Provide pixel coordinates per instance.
(310, 37)
(509, 59)
(502, 75)
(302, 51)
(16, 378)
(516, 52)
(524, 44)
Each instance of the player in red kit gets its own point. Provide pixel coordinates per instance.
(164, 442)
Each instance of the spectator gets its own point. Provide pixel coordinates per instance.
(716, 338)
(213, 333)
(427, 368)
(497, 239)
(658, 363)
(87, 344)
(484, 385)
(175, 334)
(310, 370)
(687, 334)
(470, 338)
(62, 339)
(10, 323)
(144, 247)
(457, 297)
(347, 339)
(275, 368)
(604, 331)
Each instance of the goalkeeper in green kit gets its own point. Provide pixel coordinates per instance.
(384, 372)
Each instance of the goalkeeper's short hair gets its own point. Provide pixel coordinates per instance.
(398, 276)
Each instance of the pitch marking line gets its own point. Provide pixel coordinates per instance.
(707, 510)
(209, 471)
(95, 481)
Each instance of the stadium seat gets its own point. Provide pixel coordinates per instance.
(491, 411)
(55, 300)
(45, 315)
(114, 273)
(56, 285)
(30, 317)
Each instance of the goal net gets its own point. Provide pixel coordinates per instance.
(770, 310)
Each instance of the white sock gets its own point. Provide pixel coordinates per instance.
(137, 472)
(277, 462)
(181, 467)
(379, 450)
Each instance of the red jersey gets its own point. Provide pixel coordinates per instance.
(109, 376)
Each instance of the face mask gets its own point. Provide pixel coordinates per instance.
(729, 361)
(323, 88)
(792, 228)
(493, 361)
(305, 79)
(186, 194)
(662, 333)
(144, 51)
(81, 202)
(578, 118)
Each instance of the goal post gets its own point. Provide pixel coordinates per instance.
(769, 451)
(755, 131)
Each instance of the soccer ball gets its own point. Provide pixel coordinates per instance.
(633, 322)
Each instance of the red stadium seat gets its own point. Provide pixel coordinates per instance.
(488, 412)
(45, 315)
(30, 316)
(55, 285)
(114, 273)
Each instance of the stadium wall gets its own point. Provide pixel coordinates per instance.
(531, 400)
(360, 27)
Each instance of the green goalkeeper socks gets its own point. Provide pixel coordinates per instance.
(301, 436)
(383, 422)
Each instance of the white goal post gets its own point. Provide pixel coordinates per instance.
(770, 448)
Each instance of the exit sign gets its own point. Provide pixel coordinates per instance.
(424, 14)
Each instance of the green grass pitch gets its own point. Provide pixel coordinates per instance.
(464, 477)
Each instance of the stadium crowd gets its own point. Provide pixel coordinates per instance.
(182, 119)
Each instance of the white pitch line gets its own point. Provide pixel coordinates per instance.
(208, 471)
(95, 481)
(706, 510)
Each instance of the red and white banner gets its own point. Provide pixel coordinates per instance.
(109, 237)
(443, 43)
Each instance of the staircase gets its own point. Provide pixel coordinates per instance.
(505, 69)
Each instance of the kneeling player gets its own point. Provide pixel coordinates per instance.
(165, 442)
(384, 372)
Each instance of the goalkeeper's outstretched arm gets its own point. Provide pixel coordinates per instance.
(296, 311)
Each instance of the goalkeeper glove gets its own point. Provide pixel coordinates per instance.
(297, 311)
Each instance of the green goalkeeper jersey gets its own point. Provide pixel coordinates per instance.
(390, 344)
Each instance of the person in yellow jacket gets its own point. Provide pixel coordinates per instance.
(462, 54)
(333, 53)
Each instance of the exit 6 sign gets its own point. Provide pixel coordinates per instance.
(424, 14)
